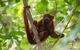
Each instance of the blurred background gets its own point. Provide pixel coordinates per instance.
(12, 33)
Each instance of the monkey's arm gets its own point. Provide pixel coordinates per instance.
(29, 32)
(53, 34)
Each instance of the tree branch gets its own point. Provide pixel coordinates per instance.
(25, 2)
(50, 47)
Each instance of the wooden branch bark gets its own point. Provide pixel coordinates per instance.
(32, 25)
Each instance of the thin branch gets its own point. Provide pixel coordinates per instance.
(50, 47)
(63, 30)
(25, 2)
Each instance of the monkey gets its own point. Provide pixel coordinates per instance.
(45, 28)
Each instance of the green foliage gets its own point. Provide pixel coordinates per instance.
(41, 7)
(12, 23)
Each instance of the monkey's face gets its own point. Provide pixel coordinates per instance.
(48, 18)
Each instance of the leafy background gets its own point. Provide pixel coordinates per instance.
(12, 33)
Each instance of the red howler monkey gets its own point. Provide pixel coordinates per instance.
(45, 28)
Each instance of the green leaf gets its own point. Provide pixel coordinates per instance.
(19, 33)
(17, 1)
(10, 43)
(41, 7)
(44, 2)
(2, 3)
(59, 19)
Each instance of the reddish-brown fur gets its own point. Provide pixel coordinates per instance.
(45, 28)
